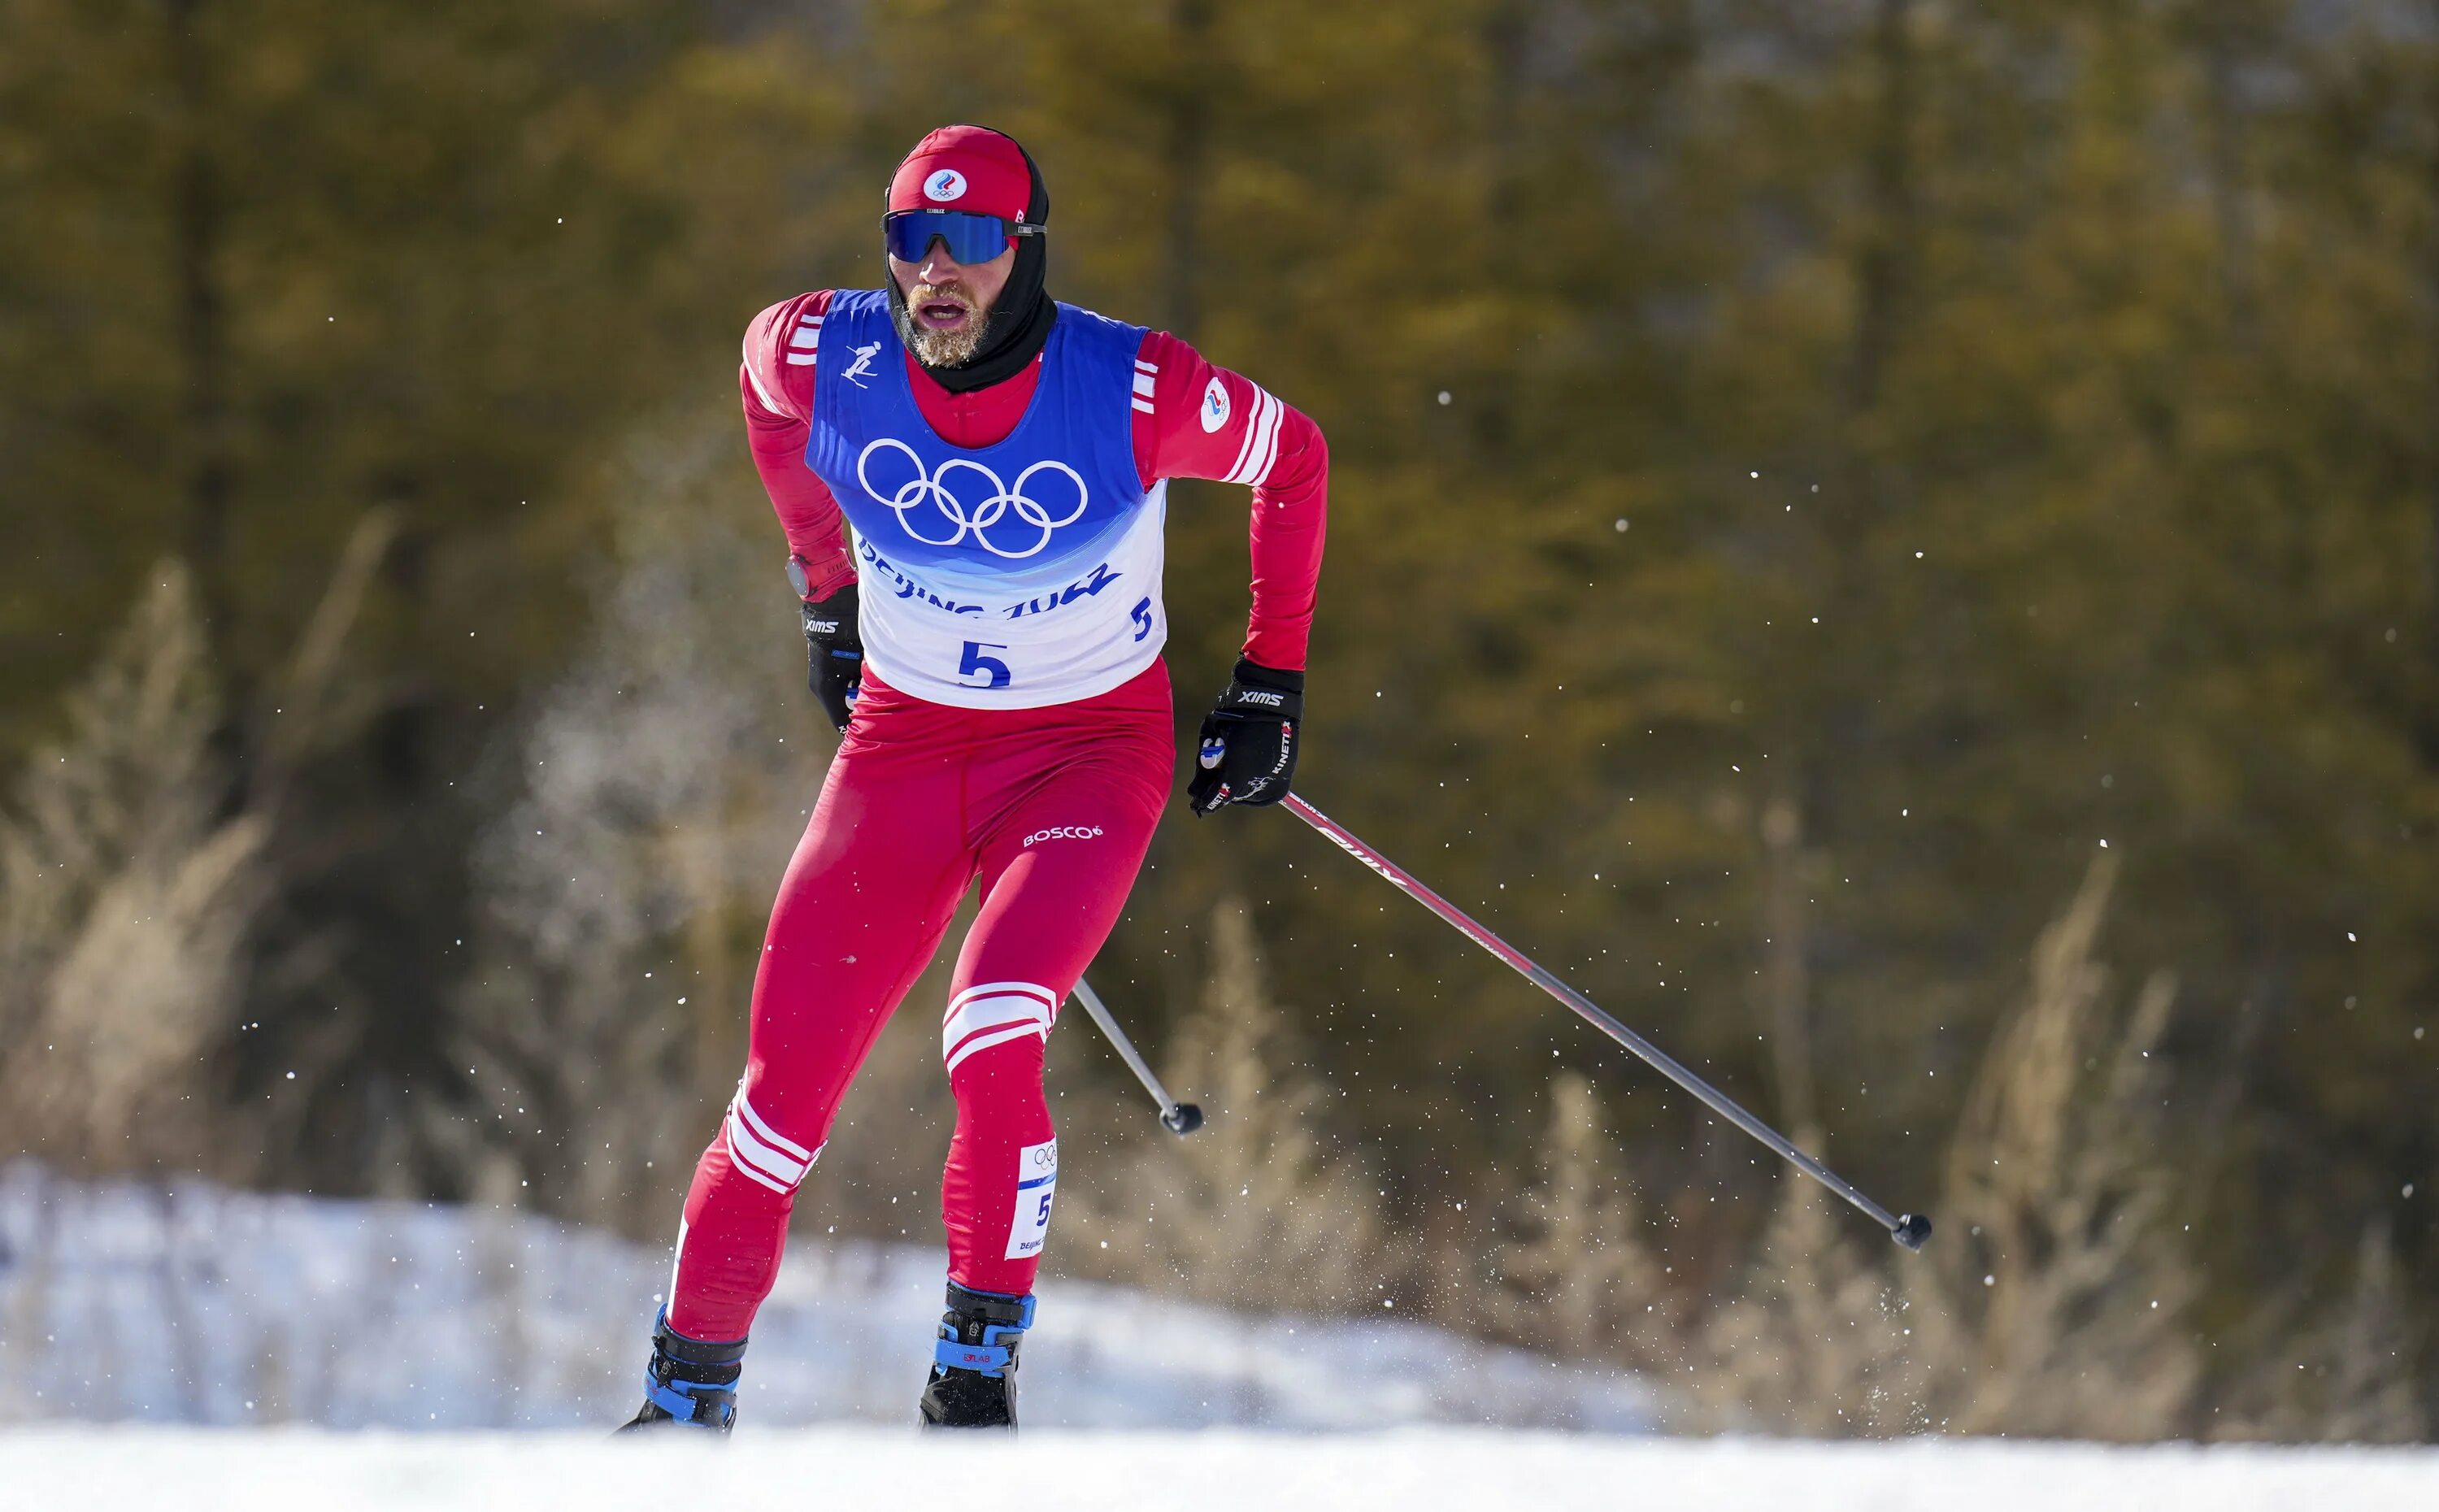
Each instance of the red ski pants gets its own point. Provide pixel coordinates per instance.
(1053, 808)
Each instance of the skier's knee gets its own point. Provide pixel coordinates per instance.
(767, 1156)
(994, 1014)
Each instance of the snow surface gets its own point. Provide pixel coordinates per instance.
(1412, 1470)
(191, 1305)
(198, 1305)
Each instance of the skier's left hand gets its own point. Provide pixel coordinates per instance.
(1246, 753)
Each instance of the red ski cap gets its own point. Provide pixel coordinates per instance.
(964, 167)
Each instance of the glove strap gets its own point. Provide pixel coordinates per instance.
(1257, 692)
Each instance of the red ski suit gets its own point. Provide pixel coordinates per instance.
(1051, 807)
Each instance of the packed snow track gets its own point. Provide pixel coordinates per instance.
(108, 1470)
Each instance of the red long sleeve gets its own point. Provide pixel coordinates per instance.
(776, 379)
(1195, 420)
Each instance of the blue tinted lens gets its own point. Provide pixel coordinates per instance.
(971, 238)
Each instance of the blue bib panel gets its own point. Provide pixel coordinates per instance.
(1014, 576)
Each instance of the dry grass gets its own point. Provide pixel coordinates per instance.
(1256, 1208)
(2372, 1397)
(2344, 1378)
(134, 878)
(1578, 1278)
(2053, 1304)
(125, 898)
(2055, 1196)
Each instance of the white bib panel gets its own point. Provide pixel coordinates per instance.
(973, 641)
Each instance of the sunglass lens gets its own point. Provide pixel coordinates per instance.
(969, 238)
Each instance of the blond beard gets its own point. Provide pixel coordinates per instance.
(949, 349)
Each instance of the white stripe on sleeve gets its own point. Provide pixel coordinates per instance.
(1260, 472)
(1261, 441)
(1252, 427)
(759, 392)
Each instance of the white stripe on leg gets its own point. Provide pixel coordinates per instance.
(994, 1013)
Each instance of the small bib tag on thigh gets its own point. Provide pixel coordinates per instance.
(1037, 1180)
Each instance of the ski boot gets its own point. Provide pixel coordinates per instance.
(691, 1383)
(973, 1370)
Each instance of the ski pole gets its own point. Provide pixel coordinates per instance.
(1912, 1230)
(1177, 1117)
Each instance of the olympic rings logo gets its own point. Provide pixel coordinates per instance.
(959, 519)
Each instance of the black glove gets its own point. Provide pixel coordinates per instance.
(1248, 750)
(834, 648)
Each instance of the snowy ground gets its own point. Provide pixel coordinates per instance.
(150, 1311)
(1410, 1470)
(195, 1305)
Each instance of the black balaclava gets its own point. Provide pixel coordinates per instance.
(1020, 320)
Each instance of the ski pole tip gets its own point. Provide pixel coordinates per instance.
(1182, 1118)
(1913, 1231)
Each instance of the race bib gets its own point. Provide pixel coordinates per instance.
(1037, 1181)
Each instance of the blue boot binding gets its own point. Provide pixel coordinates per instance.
(974, 1365)
(691, 1383)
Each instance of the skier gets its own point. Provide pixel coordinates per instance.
(985, 629)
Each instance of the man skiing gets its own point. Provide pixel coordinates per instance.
(984, 624)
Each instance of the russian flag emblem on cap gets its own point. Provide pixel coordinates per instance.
(970, 168)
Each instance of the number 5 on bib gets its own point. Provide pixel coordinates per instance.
(1037, 1183)
(991, 667)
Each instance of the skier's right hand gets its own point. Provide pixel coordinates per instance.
(835, 655)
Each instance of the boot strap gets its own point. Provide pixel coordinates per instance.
(994, 1353)
(989, 1360)
(677, 1398)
